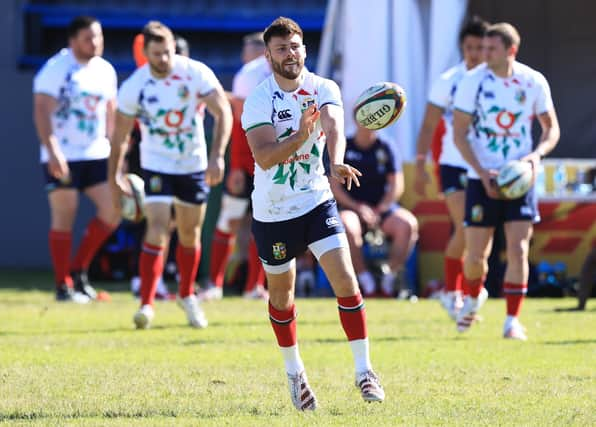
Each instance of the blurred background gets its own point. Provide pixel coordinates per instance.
(355, 43)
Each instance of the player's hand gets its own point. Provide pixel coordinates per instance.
(345, 174)
(421, 179)
(215, 171)
(57, 165)
(534, 159)
(367, 215)
(119, 187)
(489, 181)
(308, 121)
(236, 182)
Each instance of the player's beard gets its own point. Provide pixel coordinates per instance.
(161, 69)
(290, 74)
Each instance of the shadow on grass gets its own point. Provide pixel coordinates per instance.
(43, 280)
(569, 342)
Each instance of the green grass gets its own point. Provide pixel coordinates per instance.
(62, 364)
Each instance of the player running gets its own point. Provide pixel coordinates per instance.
(288, 119)
(168, 95)
(494, 107)
(452, 167)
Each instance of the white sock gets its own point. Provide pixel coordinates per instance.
(510, 319)
(388, 282)
(292, 359)
(361, 354)
(367, 281)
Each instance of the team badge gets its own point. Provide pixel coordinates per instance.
(155, 184)
(279, 251)
(183, 92)
(306, 102)
(477, 213)
(381, 156)
(520, 96)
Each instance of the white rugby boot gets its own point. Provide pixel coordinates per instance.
(194, 313)
(370, 386)
(144, 316)
(302, 395)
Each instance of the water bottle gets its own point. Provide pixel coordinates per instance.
(560, 180)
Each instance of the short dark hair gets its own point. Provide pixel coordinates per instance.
(475, 26)
(79, 23)
(254, 39)
(506, 32)
(282, 27)
(182, 47)
(155, 31)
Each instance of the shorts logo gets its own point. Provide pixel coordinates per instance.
(477, 213)
(463, 179)
(526, 210)
(331, 222)
(279, 251)
(155, 183)
(283, 115)
(200, 196)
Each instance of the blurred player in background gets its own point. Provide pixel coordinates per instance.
(74, 107)
(239, 183)
(168, 95)
(452, 167)
(374, 205)
(288, 119)
(133, 165)
(494, 107)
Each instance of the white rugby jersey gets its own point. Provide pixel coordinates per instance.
(82, 92)
(503, 110)
(170, 113)
(249, 76)
(441, 95)
(298, 184)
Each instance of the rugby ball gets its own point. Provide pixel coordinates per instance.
(133, 207)
(380, 105)
(515, 179)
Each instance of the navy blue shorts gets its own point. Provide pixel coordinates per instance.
(280, 242)
(482, 211)
(162, 187)
(453, 178)
(83, 174)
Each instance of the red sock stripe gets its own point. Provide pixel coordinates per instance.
(474, 286)
(60, 243)
(352, 316)
(150, 268)
(188, 264)
(96, 234)
(283, 323)
(514, 289)
(221, 248)
(453, 274)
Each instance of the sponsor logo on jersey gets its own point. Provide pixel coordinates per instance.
(477, 213)
(332, 222)
(279, 250)
(284, 115)
(353, 155)
(489, 95)
(155, 183)
(381, 156)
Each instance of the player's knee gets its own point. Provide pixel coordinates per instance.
(517, 252)
(475, 258)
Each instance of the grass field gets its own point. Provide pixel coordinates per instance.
(62, 364)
